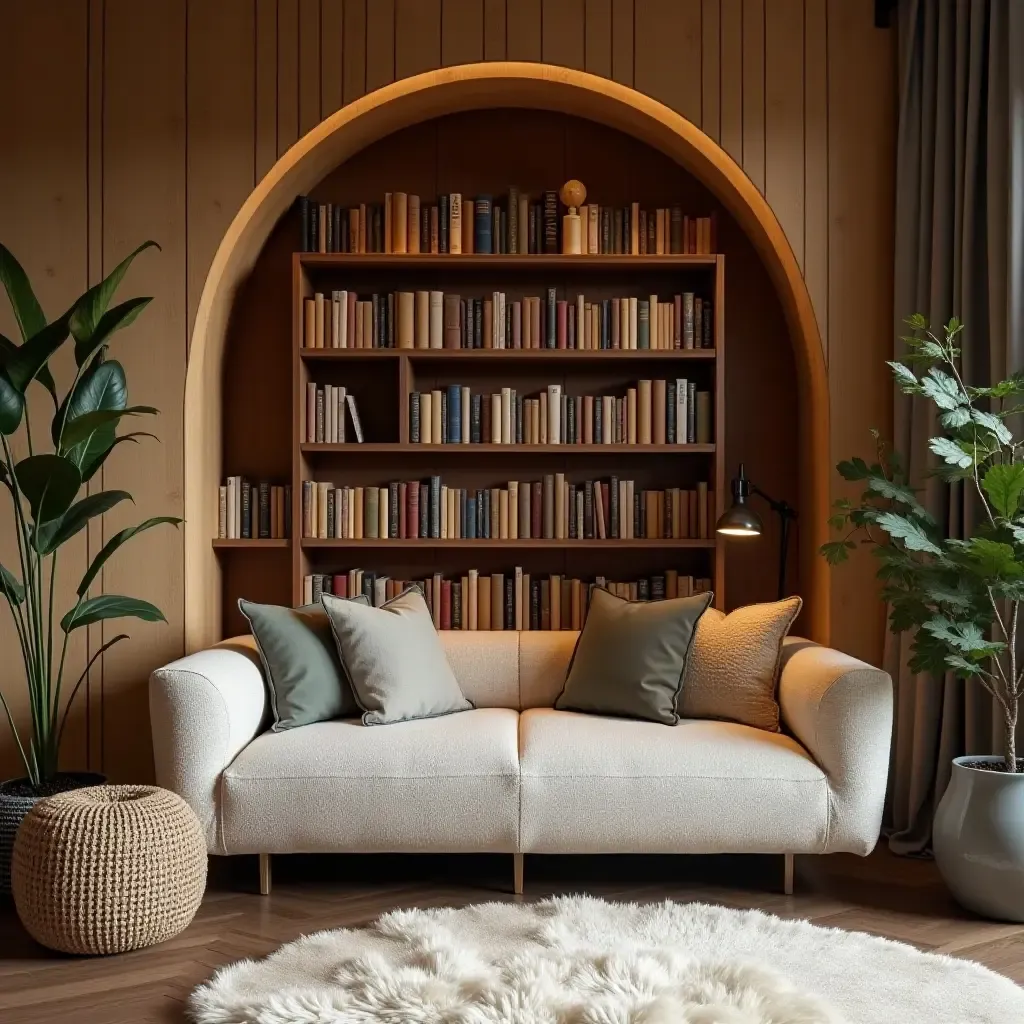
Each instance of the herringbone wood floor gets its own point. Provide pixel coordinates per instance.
(901, 899)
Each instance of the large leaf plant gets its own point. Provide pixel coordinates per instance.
(45, 482)
(960, 598)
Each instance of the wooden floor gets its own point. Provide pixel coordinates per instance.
(902, 899)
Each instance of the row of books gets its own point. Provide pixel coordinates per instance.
(511, 224)
(435, 319)
(652, 412)
(328, 408)
(252, 510)
(512, 600)
(551, 508)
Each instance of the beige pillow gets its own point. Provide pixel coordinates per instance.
(734, 665)
(393, 659)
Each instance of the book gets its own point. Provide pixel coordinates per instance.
(482, 225)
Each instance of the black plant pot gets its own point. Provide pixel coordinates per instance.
(18, 797)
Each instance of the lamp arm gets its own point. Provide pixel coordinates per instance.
(786, 514)
(782, 508)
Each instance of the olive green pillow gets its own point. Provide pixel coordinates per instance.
(394, 659)
(304, 676)
(631, 656)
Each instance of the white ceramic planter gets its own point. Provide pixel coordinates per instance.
(978, 837)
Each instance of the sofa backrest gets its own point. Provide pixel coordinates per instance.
(505, 669)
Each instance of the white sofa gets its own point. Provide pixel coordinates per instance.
(516, 776)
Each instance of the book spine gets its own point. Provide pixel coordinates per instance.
(455, 223)
(443, 223)
(454, 411)
(482, 224)
(551, 222)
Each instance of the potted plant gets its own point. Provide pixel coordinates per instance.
(44, 478)
(960, 597)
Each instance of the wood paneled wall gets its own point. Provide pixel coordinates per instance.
(128, 120)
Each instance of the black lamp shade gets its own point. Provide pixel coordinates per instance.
(740, 520)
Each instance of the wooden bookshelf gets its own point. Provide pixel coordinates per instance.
(250, 544)
(383, 379)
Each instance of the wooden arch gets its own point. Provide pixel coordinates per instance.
(447, 91)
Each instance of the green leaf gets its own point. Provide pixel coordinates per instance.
(956, 418)
(917, 321)
(907, 530)
(993, 424)
(990, 559)
(900, 493)
(91, 468)
(102, 386)
(905, 377)
(942, 389)
(92, 306)
(114, 543)
(951, 452)
(11, 586)
(853, 469)
(52, 535)
(113, 320)
(1003, 484)
(12, 406)
(27, 310)
(49, 483)
(82, 429)
(836, 551)
(964, 636)
(26, 362)
(7, 350)
(110, 606)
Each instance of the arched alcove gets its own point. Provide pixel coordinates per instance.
(434, 95)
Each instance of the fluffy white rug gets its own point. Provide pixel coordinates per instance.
(577, 960)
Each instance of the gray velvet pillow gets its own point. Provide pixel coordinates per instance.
(631, 656)
(304, 675)
(394, 660)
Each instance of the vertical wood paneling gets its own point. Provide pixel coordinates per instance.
(784, 117)
(622, 41)
(380, 43)
(354, 50)
(816, 160)
(287, 74)
(45, 112)
(731, 75)
(266, 86)
(309, 65)
(523, 29)
(332, 16)
(753, 91)
(221, 130)
(562, 32)
(598, 48)
(668, 50)
(417, 36)
(861, 87)
(710, 69)
(462, 31)
(144, 197)
(494, 30)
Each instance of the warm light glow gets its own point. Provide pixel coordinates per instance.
(738, 531)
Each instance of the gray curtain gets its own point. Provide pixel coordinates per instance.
(959, 251)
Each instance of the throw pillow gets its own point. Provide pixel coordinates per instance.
(630, 657)
(394, 660)
(304, 675)
(734, 668)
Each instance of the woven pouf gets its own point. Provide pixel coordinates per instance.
(108, 869)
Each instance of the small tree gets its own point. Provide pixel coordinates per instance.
(960, 598)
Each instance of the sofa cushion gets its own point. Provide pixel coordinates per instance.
(437, 784)
(631, 656)
(612, 785)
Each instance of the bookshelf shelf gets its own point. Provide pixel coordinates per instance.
(539, 355)
(449, 262)
(656, 544)
(567, 451)
(246, 543)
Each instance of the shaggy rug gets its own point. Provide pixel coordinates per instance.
(577, 960)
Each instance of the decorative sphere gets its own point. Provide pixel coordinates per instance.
(573, 193)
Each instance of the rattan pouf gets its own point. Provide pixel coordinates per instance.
(108, 869)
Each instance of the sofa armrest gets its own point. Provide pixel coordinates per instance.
(205, 708)
(840, 709)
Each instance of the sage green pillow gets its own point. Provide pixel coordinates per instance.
(394, 660)
(304, 676)
(631, 656)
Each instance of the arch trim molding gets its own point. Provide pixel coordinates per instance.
(447, 91)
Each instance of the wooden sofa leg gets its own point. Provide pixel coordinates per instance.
(264, 874)
(787, 884)
(517, 873)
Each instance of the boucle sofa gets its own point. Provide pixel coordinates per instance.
(516, 776)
